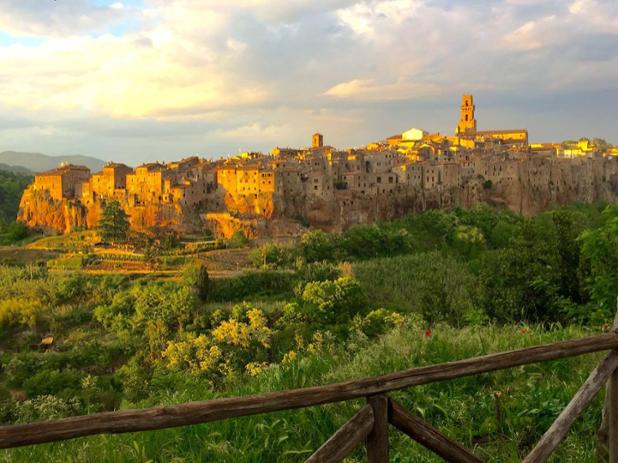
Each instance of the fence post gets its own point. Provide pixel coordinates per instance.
(608, 432)
(611, 404)
(377, 441)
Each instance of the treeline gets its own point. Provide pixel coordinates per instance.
(455, 265)
(11, 188)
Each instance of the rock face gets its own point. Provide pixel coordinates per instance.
(299, 198)
(39, 210)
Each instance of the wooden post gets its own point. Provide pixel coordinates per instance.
(611, 404)
(429, 437)
(346, 439)
(559, 429)
(612, 417)
(377, 441)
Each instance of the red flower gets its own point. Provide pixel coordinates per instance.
(524, 330)
(428, 332)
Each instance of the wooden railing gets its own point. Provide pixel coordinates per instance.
(371, 424)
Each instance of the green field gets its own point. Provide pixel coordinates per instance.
(424, 289)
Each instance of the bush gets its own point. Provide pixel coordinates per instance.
(46, 407)
(238, 239)
(251, 283)
(18, 311)
(334, 301)
(53, 382)
(271, 255)
(318, 271)
(13, 232)
(195, 276)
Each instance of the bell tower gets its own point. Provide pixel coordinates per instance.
(317, 140)
(467, 122)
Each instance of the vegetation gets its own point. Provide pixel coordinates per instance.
(12, 186)
(114, 224)
(423, 289)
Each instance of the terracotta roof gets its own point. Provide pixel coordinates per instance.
(491, 132)
(60, 169)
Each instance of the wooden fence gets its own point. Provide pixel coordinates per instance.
(371, 424)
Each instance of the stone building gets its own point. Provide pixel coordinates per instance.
(62, 182)
(330, 188)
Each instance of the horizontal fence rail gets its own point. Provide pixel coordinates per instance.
(212, 410)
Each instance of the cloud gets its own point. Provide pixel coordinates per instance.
(255, 72)
(56, 18)
(368, 89)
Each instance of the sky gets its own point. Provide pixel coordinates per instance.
(144, 80)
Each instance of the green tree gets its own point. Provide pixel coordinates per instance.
(114, 224)
(195, 276)
(600, 259)
(11, 188)
(523, 281)
(335, 301)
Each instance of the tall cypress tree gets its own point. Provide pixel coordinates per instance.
(114, 223)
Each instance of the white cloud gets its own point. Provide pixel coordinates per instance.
(368, 89)
(282, 67)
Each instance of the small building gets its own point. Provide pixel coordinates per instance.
(62, 182)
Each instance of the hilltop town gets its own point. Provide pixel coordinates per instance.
(281, 193)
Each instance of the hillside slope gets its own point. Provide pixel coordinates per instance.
(38, 162)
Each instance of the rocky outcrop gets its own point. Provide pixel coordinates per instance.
(39, 210)
(526, 186)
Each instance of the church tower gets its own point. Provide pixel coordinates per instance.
(317, 141)
(467, 122)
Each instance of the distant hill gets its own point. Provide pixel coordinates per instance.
(18, 170)
(37, 162)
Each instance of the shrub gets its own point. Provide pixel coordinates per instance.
(254, 282)
(196, 277)
(63, 383)
(18, 311)
(334, 301)
(379, 321)
(238, 239)
(271, 255)
(46, 407)
(318, 271)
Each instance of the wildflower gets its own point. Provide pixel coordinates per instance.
(289, 357)
(255, 368)
(524, 330)
(208, 357)
(232, 332)
(256, 318)
(428, 332)
(605, 326)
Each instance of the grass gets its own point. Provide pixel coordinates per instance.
(532, 396)
(74, 241)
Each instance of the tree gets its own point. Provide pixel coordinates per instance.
(600, 253)
(196, 277)
(114, 223)
(600, 144)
